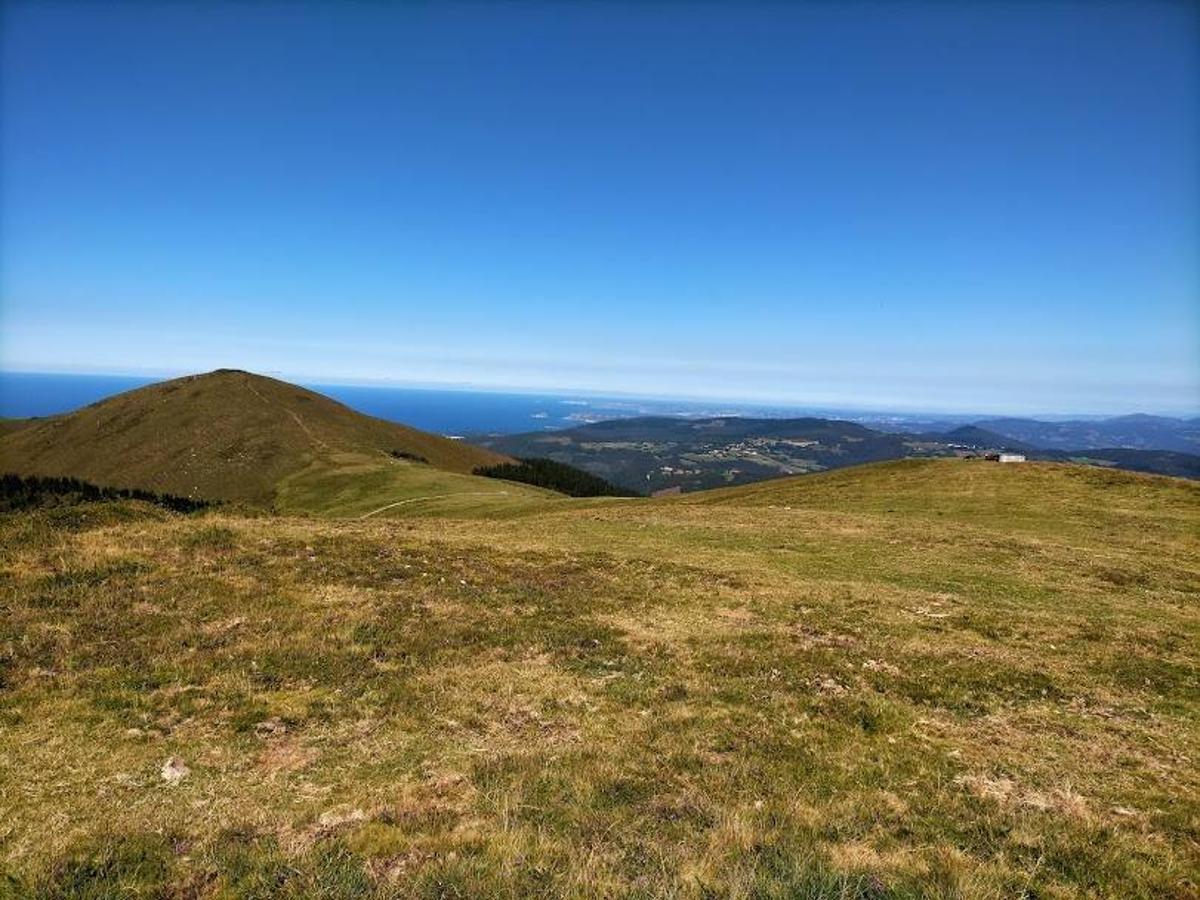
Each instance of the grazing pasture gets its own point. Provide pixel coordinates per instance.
(924, 678)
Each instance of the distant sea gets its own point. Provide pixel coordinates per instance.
(453, 412)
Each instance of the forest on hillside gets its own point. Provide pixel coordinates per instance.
(556, 476)
(26, 492)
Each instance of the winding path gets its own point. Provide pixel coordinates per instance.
(435, 497)
(295, 415)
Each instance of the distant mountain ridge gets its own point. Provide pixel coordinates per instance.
(233, 435)
(1135, 432)
(668, 453)
(974, 436)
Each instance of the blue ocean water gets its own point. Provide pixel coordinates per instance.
(463, 412)
(456, 412)
(24, 394)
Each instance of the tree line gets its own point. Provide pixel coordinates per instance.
(404, 454)
(556, 476)
(23, 492)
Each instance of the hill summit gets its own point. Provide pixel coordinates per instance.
(224, 435)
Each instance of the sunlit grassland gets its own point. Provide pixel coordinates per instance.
(350, 485)
(912, 679)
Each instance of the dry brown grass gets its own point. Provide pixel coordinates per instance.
(921, 683)
(224, 435)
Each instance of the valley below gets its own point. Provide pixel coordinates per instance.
(668, 454)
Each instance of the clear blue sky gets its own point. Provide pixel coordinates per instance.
(977, 206)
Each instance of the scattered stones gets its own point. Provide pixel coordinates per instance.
(830, 686)
(929, 613)
(878, 665)
(269, 728)
(174, 770)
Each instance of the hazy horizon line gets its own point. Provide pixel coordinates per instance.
(863, 409)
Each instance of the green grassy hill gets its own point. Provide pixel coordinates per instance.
(361, 486)
(925, 678)
(226, 435)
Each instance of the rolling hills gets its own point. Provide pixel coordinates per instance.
(923, 678)
(1133, 432)
(670, 453)
(377, 675)
(228, 435)
(657, 453)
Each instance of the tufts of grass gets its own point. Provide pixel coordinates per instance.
(702, 697)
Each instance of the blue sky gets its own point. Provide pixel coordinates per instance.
(976, 207)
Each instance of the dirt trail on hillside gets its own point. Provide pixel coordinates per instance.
(435, 497)
(295, 415)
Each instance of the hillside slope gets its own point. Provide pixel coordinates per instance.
(225, 435)
(1159, 462)
(926, 678)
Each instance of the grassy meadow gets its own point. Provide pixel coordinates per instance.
(360, 485)
(913, 679)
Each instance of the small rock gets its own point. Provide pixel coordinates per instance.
(832, 686)
(271, 727)
(879, 665)
(174, 770)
